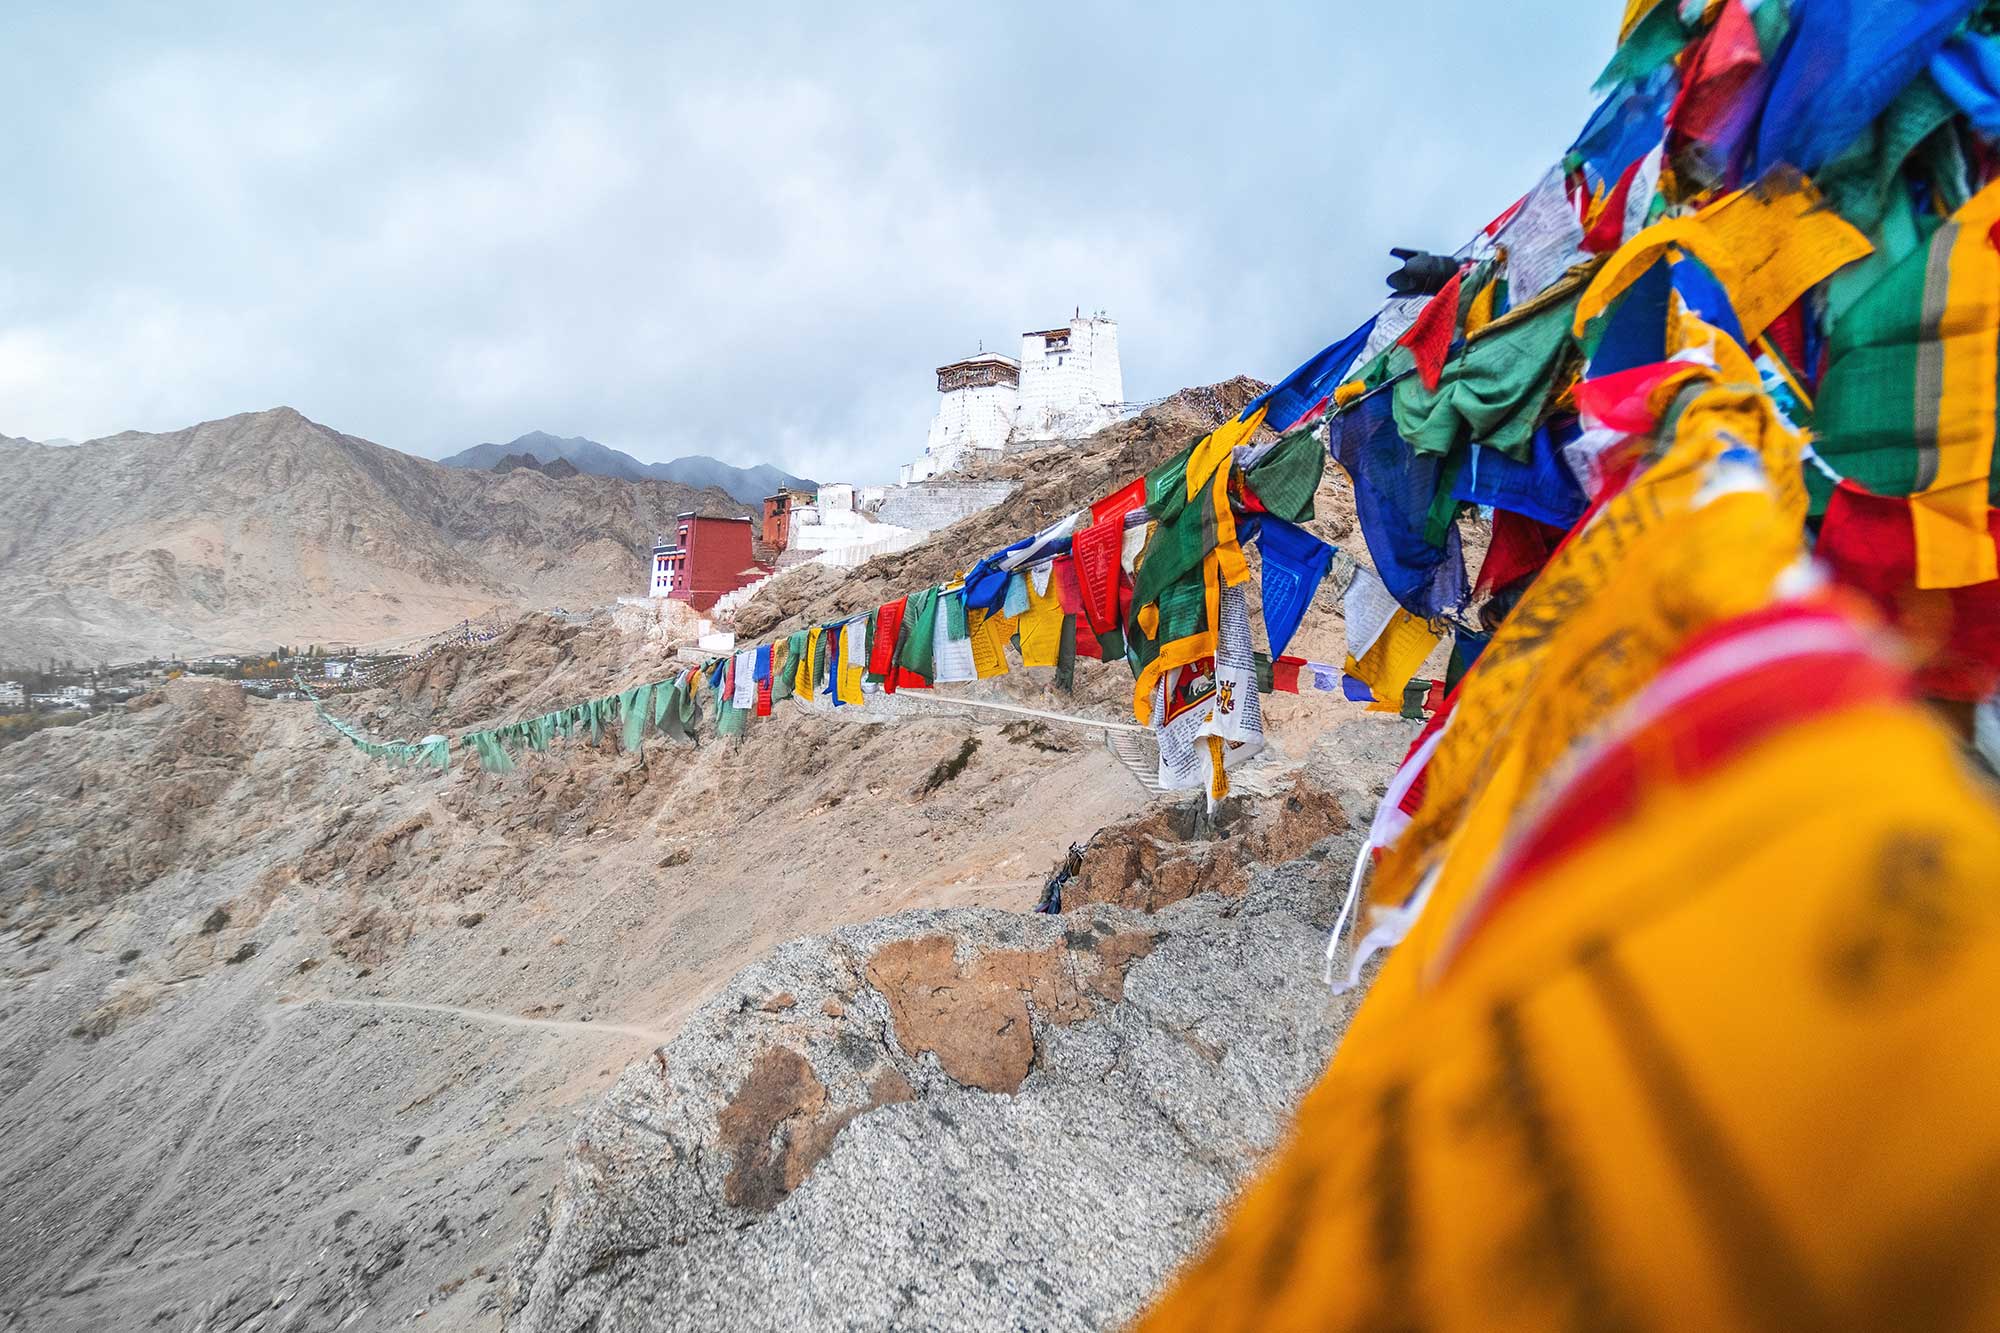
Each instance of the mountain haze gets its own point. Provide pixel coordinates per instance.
(748, 484)
(268, 528)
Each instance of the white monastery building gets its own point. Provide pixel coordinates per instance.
(1067, 384)
(1071, 383)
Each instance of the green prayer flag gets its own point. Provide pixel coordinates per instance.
(1173, 552)
(493, 758)
(634, 706)
(1066, 657)
(1494, 391)
(1877, 406)
(1286, 478)
(1166, 485)
(783, 667)
(1654, 43)
(917, 641)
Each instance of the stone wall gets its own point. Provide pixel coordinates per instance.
(928, 507)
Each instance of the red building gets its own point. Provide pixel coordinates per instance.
(707, 557)
(778, 516)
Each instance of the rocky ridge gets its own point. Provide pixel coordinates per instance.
(963, 1119)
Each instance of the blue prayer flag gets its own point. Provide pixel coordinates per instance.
(1291, 398)
(1294, 562)
(1393, 490)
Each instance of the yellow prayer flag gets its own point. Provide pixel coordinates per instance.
(851, 664)
(1767, 245)
(1392, 660)
(1635, 13)
(1614, 603)
(1041, 627)
(988, 660)
(802, 683)
(1954, 541)
(1729, 1067)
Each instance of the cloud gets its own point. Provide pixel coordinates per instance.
(749, 234)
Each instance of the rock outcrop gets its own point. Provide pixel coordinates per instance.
(947, 1119)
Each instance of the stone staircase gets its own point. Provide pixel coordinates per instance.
(1138, 752)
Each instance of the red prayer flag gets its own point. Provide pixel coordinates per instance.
(764, 698)
(1113, 507)
(1285, 674)
(1520, 547)
(1788, 334)
(1718, 71)
(1086, 642)
(888, 623)
(1429, 339)
(1608, 232)
(1068, 591)
(1621, 400)
(1094, 559)
(1870, 541)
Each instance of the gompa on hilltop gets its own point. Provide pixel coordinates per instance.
(1066, 384)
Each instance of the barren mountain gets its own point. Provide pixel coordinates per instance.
(266, 528)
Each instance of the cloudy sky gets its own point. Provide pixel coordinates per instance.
(750, 233)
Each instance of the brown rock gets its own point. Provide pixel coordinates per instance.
(1117, 953)
(756, 1131)
(833, 1008)
(780, 1002)
(779, 1125)
(976, 1017)
(1306, 815)
(975, 1022)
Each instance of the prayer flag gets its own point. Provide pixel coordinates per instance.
(1294, 563)
(1430, 337)
(1617, 1064)
(1908, 403)
(1393, 491)
(1303, 393)
(1870, 543)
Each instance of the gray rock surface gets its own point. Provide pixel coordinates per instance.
(845, 1137)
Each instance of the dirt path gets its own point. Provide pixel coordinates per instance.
(497, 1019)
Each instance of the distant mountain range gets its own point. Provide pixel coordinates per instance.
(748, 484)
(268, 528)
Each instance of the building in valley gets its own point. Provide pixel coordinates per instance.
(708, 556)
